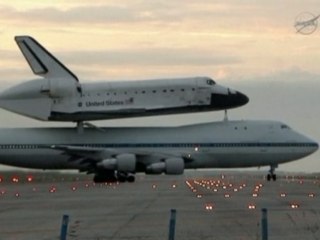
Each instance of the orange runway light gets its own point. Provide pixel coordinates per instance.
(15, 179)
(52, 189)
(209, 206)
(283, 194)
(251, 206)
(311, 195)
(199, 196)
(227, 195)
(29, 179)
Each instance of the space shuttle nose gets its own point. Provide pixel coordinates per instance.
(226, 101)
(240, 99)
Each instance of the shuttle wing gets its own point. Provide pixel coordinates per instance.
(42, 62)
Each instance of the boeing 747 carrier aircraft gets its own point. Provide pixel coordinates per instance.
(59, 96)
(116, 154)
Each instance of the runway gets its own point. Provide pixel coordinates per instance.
(221, 205)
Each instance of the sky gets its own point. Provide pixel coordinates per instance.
(251, 46)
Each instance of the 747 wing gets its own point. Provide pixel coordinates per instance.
(110, 165)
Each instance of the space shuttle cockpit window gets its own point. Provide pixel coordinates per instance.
(211, 82)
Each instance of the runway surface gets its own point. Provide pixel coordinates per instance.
(221, 205)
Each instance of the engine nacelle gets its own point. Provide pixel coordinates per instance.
(172, 166)
(125, 162)
(156, 168)
(110, 163)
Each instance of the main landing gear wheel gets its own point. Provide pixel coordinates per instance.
(125, 177)
(271, 174)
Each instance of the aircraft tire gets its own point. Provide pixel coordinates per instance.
(131, 178)
(269, 177)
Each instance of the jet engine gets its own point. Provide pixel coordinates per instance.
(125, 162)
(172, 166)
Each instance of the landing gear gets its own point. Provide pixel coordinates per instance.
(131, 178)
(111, 176)
(271, 174)
(104, 179)
(125, 177)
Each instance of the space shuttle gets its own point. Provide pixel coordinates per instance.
(59, 96)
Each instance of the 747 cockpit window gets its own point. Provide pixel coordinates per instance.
(211, 82)
(283, 126)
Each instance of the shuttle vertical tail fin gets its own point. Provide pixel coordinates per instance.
(35, 98)
(42, 62)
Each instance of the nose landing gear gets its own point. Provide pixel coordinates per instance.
(271, 174)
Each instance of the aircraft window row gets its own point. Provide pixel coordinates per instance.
(18, 146)
(184, 145)
(191, 145)
(137, 92)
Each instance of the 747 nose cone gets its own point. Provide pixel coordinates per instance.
(226, 101)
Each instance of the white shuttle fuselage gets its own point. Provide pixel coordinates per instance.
(59, 96)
